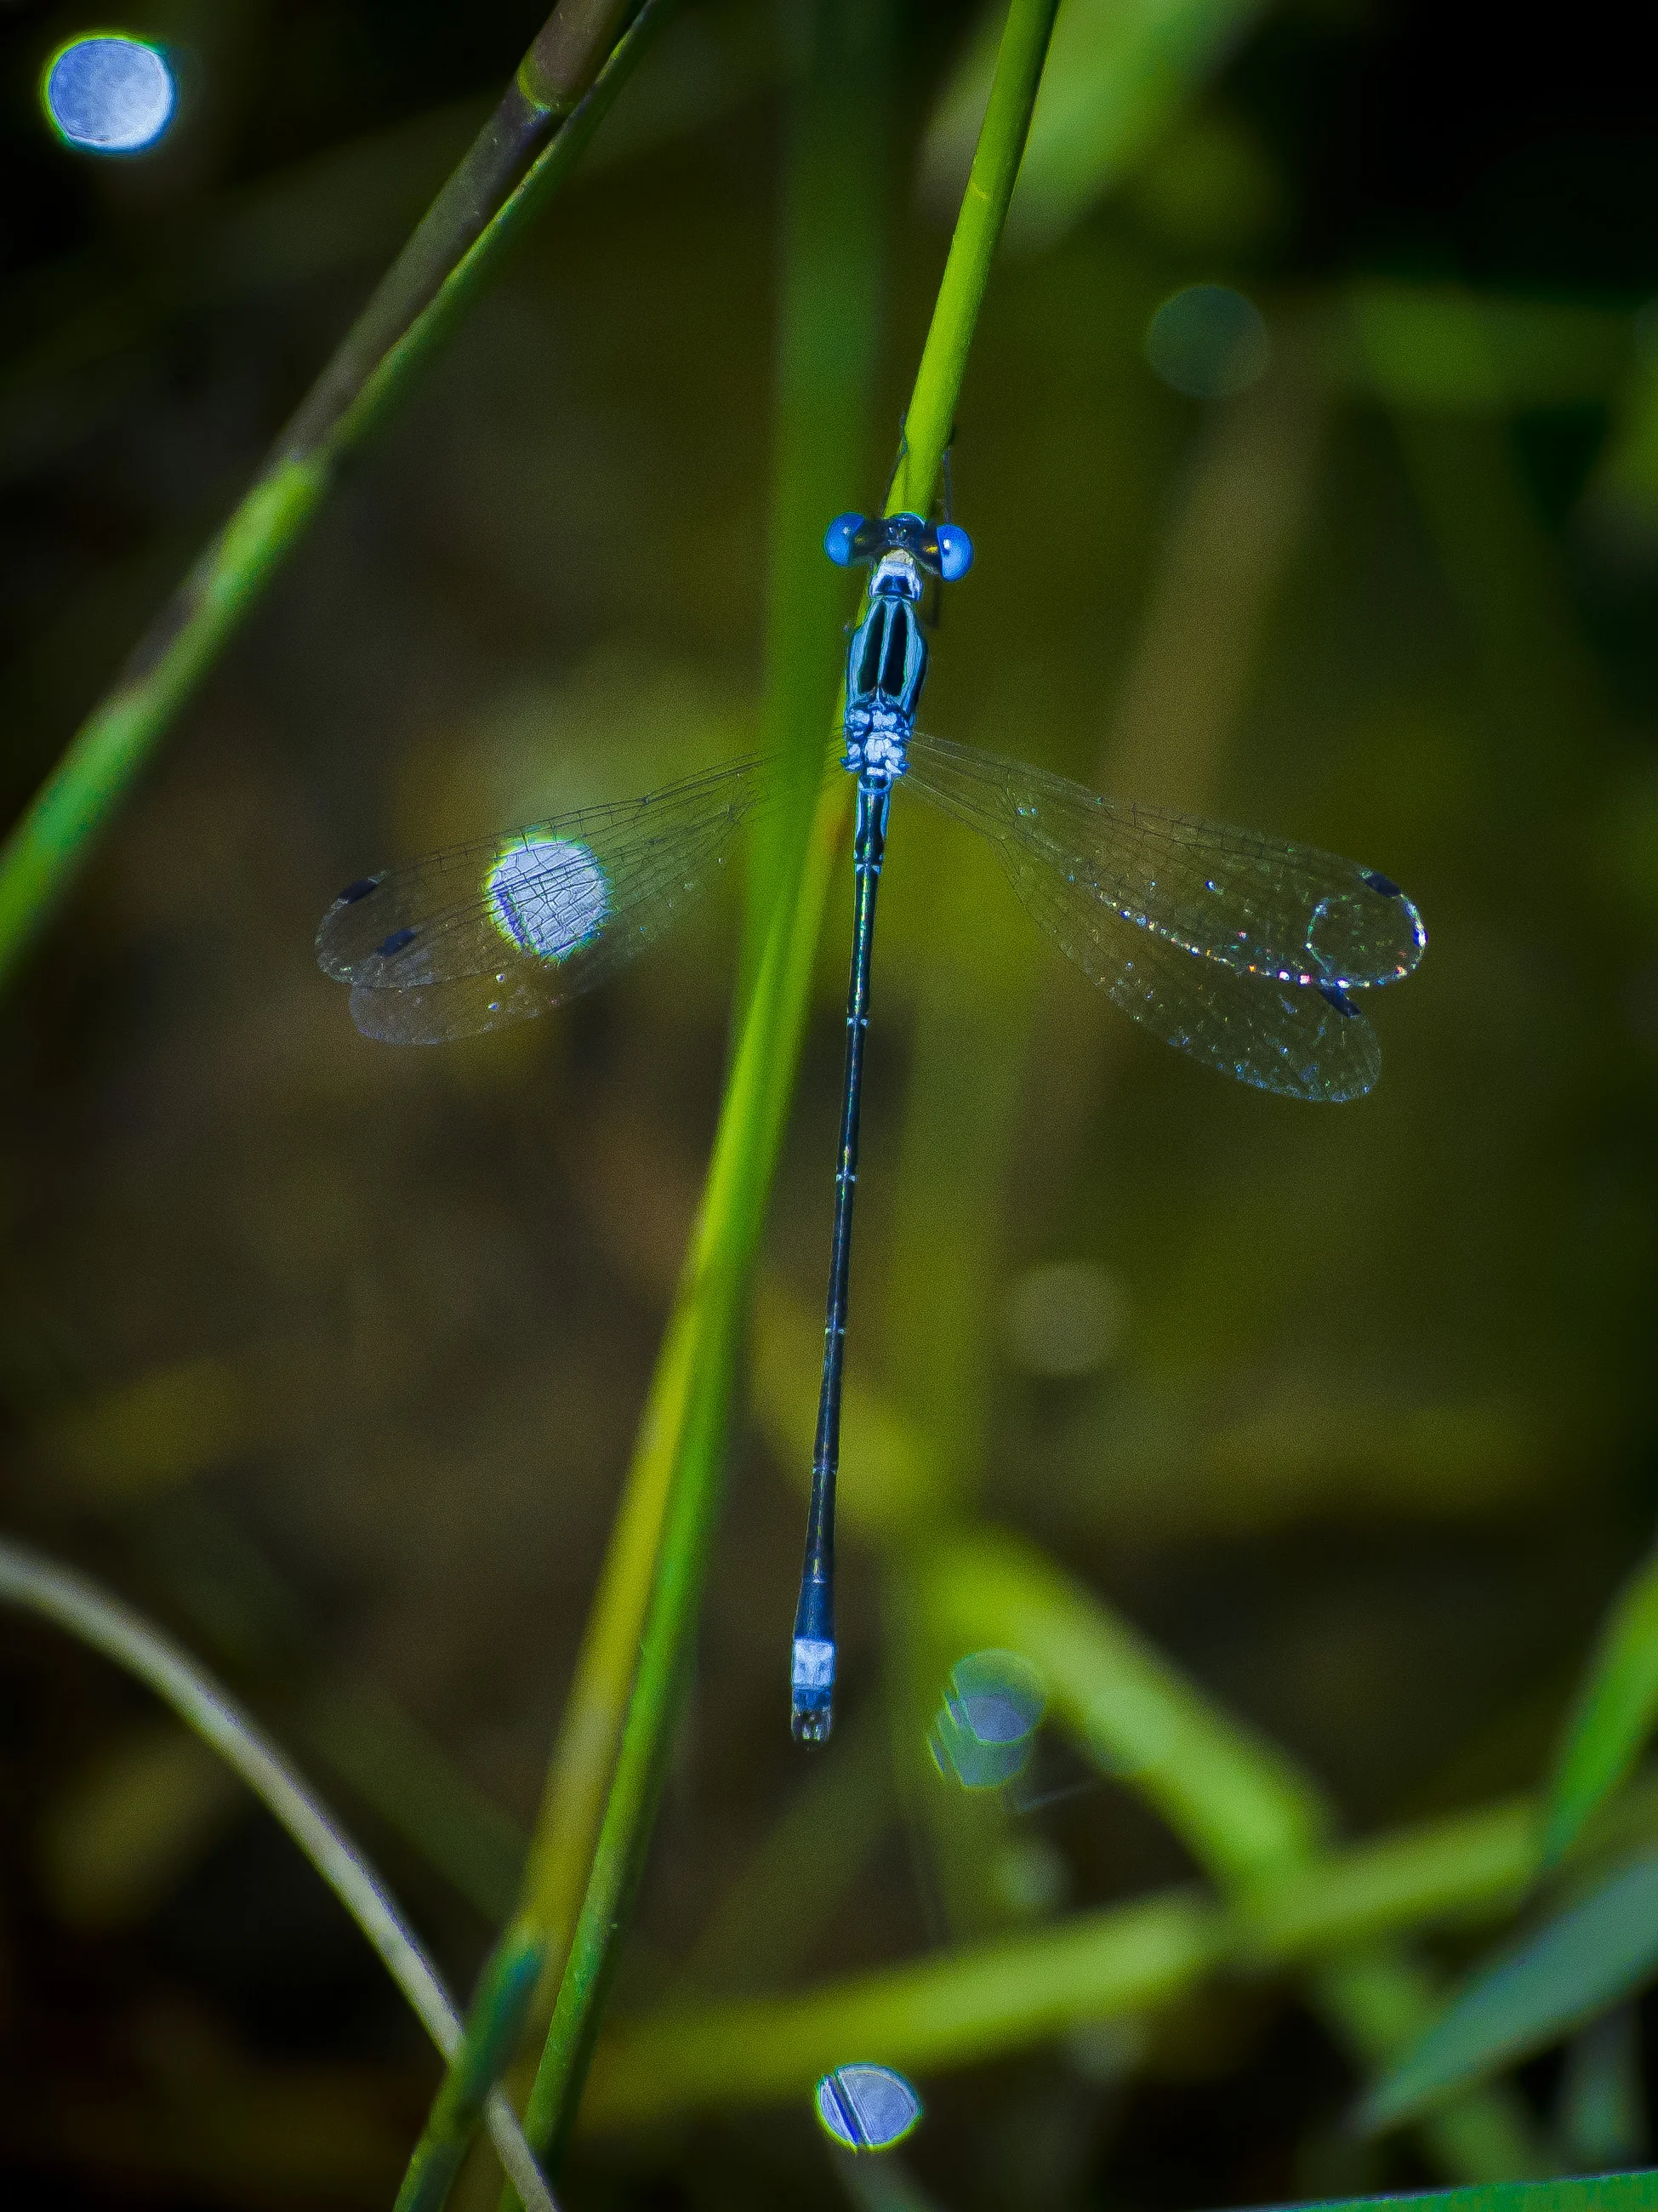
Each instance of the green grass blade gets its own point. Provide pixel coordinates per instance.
(414, 313)
(1480, 1862)
(1384, 2000)
(1118, 75)
(955, 2009)
(930, 422)
(618, 1721)
(1614, 1716)
(831, 317)
(680, 1461)
(1600, 2192)
(1443, 346)
(687, 1427)
(1599, 1952)
(506, 1990)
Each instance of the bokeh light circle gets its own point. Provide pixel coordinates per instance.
(108, 93)
(1208, 342)
(867, 2108)
(993, 1706)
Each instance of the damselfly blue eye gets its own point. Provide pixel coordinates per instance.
(837, 539)
(955, 551)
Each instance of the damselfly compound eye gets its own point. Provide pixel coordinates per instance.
(108, 95)
(837, 539)
(955, 551)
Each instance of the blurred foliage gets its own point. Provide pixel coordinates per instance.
(1302, 1453)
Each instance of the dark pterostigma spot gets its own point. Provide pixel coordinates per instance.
(1338, 997)
(1385, 884)
(399, 938)
(359, 889)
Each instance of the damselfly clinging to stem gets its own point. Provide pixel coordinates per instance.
(1244, 951)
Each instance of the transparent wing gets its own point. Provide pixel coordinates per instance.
(502, 928)
(1240, 949)
(1279, 1036)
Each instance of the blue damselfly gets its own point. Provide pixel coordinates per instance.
(1246, 952)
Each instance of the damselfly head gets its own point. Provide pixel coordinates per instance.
(897, 576)
(942, 550)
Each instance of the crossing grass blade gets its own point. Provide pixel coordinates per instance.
(1600, 2192)
(1531, 1995)
(1613, 1716)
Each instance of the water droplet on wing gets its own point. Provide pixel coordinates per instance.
(548, 895)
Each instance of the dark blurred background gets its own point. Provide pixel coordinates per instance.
(330, 1356)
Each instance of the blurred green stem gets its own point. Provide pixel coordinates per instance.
(617, 1726)
(561, 92)
(1614, 1714)
(829, 316)
(40, 1585)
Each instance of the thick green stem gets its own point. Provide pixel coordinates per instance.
(834, 226)
(695, 1373)
(457, 246)
(930, 422)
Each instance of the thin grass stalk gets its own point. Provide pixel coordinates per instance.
(459, 246)
(624, 1835)
(31, 1580)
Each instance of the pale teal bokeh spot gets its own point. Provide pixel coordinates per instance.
(1208, 342)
